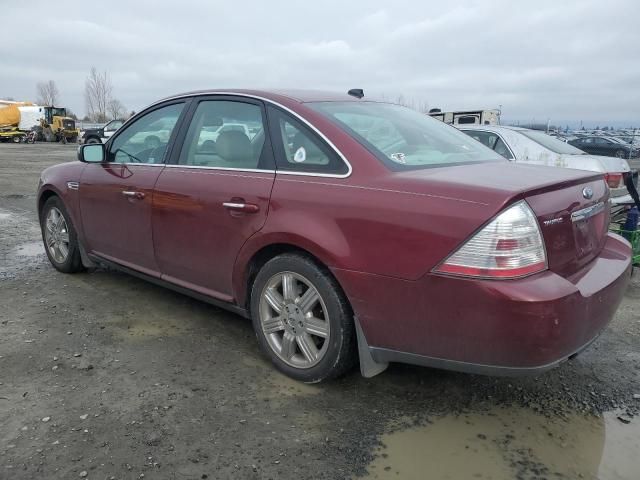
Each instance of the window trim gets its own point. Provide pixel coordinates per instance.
(170, 143)
(296, 115)
(179, 141)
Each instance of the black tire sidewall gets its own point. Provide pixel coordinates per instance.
(339, 355)
(73, 261)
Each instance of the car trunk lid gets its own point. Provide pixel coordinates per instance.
(574, 220)
(573, 233)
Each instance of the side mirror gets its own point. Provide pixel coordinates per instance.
(91, 153)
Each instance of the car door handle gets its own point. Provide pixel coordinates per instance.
(131, 194)
(238, 206)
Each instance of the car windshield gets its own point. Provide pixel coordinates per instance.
(403, 138)
(551, 143)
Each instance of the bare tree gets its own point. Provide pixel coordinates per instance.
(97, 94)
(47, 93)
(116, 109)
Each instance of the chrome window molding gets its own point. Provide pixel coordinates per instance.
(291, 112)
(135, 164)
(224, 169)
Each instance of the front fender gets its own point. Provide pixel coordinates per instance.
(57, 180)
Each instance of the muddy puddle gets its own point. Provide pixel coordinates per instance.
(508, 443)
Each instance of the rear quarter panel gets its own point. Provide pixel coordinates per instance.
(363, 228)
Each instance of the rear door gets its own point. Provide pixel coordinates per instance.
(116, 195)
(213, 195)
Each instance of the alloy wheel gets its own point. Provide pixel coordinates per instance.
(294, 320)
(56, 235)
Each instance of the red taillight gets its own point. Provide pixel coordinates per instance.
(509, 246)
(614, 180)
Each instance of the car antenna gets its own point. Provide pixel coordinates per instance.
(356, 92)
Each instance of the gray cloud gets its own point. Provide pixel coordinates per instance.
(568, 61)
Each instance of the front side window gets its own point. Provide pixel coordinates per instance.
(146, 139)
(404, 139)
(225, 134)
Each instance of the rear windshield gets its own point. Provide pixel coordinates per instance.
(403, 138)
(553, 144)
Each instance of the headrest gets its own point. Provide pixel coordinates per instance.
(233, 146)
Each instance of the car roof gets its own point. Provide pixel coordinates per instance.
(275, 95)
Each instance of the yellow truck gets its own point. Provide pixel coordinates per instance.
(18, 118)
(51, 123)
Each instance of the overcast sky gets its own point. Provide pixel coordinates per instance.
(564, 60)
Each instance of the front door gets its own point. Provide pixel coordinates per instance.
(116, 195)
(213, 195)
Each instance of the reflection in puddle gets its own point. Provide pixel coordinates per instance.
(32, 249)
(512, 443)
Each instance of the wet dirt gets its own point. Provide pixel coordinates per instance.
(135, 379)
(507, 443)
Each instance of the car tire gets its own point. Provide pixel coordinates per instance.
(59, 237)
(92, 140)
(621, 154)
(307, 338)
(16, 139)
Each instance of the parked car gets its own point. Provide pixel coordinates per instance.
(99, 134)
(347, 229)
(601, 145)
(536, 147)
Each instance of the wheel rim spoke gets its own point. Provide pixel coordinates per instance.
(63, 249)
(307, 347)
(274, 299)
(308, 300)
(64, 237)
(288, 286)
(272, 325)
(317, 327)
(288, 345)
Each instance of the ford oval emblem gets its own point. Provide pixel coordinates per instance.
(587, 192)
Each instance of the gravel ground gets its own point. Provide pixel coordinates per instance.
(105, 376)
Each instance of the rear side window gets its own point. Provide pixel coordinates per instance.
(491, 140)
(225, 134)
(299, 149)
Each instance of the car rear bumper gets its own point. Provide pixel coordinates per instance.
(494, 327)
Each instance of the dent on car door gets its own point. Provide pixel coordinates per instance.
(213, 196)
(116, 195)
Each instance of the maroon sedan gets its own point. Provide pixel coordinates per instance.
(345, 229)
